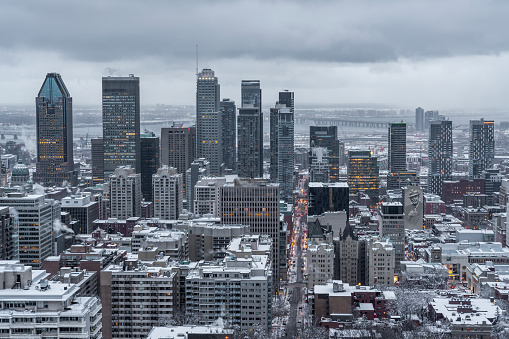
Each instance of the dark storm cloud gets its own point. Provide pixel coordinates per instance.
(323, 31)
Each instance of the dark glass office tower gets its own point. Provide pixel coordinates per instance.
(364, 174)
(326, 137)
(121, 123)
(250, 126)
(55, 163)
(419, 119)
(149, 163)
(178, 147)
(482, 147)
(286, 98)
(97, 160)
(282, 159)
(397, 147)
(250, 143)
(229, 126)
(208, 121)
(439, 155)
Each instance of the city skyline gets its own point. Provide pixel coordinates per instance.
(362, 44)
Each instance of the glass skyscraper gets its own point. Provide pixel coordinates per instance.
(208, 121)
(439, 155)
(55, 163)
(229, 126)
(121, 123)
(250, 131)
(482, 147)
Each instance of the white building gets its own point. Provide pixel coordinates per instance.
(167, 186)
(35, 216)
(320, 263)
(238, 290)
(381, 258)
(138, 295)
(125, 193)
(206, 196)
(33, 307)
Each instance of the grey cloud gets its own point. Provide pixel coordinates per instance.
(323, 31)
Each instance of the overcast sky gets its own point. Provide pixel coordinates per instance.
(434, 54)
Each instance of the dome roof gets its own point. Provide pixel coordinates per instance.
(20, 170)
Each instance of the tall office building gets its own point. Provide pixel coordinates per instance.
(250, 143)
(167, 189)
(9, 236)
(97, 149)
(149, 163)
(178, 147)
(208, 121)
(286, 98)
(439, 155)
(250, 131)
(392, 226)
(419, 119)
(55, 163)
(254, 203)
(229, 129)
(121, 123)
(398, 175)
(482, 147)
(364, 174)
(35, 243)
(282, 159)
(83, 211)
(397, 147)
(125, 193)
(327, 137)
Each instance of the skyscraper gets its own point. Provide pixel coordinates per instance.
(149, 162)
(282, 160)
(125, 193)
(178, 147)
(250, 131)
(97, 146)
(363, 174)
(398, 175)
(439, 155)
(327, 137)
(121, 123)
(167, 190)
(55, 162)
(419, 119)
(286, 98)
(208, 121)
(482, 147)
(229, 129)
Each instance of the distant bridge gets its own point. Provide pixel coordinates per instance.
(342, 122)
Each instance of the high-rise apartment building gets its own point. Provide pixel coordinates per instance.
(55, 162)
(253, 202)
(250, 131)
(392, 226)
(250, 143)
(167, 189)
(439, 155)
(121, 123)
(229, 130)
(125, 193)
(178, 147)
(208, 121)
(381, 262)
(83, 211)
(419, 119)
(149, 163)
(364, 174)
(97, 149)
(482, 147)
(282, 159)
(326, 137)
(35, 243)
(199, 168)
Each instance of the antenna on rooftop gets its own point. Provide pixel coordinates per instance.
(196, 61)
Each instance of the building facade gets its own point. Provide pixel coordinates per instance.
(439, 155)
(125, 193)
(208, 121)
(149, 162)
(363, 174)
(482, 147)
(250, 143)
(178, 147)
(325, 197)
(121, 123)
(229, 128)
(97, 149)
(55, 162)
(168, 194)
(326, 137)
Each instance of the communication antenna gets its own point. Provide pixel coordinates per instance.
(197, 61)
